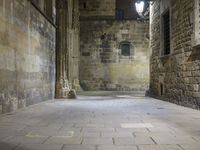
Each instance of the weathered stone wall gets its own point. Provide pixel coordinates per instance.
(27, 55)
(179, 72)
(102, 65)
(97, 8)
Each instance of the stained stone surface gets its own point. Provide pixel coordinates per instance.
(114, 53)
(27, 56)
(95, 123)
(179, 72)
(103, 65)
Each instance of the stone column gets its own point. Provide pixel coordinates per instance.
(75, 56)
(67, 47)
(62, 87)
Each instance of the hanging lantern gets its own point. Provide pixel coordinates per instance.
(139, 5)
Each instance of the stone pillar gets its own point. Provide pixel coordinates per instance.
(67, 47)
(62, 87)
(75, 54)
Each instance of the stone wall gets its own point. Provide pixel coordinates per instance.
(103, 67)
(179, 72)
(97, 8)
(27, 55)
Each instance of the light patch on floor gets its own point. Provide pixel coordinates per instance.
(124, 96)
(70, 135)
(29, 135)
(136, 125)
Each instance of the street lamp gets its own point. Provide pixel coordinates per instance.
(139, 5)
(143, 8)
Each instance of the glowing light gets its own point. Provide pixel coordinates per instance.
(139, 5)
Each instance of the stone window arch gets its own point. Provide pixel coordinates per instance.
(126, 48)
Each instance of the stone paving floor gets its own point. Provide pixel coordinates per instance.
(115, 122)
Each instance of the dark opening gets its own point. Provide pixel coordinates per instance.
(119, 14)
(85, 53)
(125, 49)
(125, 9)
(166, 33)
(84, 5)
(161, 89)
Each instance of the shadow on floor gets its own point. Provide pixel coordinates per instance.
(111, 93)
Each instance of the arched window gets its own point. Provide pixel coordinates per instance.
(125, 48)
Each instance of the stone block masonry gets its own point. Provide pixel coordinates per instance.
(104, 65)
(27, 55)
(176, 77)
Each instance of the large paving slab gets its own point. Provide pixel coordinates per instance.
(110, 122)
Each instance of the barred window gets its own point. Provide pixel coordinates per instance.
(166, 33)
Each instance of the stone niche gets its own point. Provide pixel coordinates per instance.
(114, 55)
